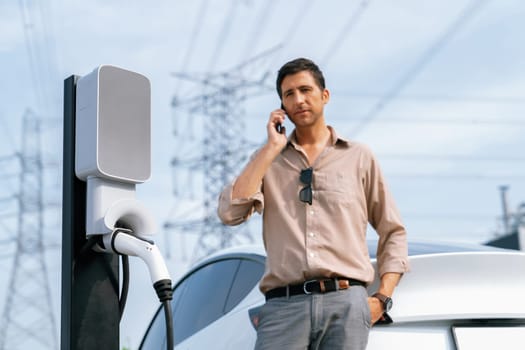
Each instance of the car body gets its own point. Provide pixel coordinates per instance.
(454, 297)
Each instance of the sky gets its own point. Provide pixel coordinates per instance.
(434, 88)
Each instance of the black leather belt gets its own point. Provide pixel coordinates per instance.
(313, 286)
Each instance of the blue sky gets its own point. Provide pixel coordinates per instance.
(435, 88)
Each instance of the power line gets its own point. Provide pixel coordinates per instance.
(456, 176)
(427, 56)
(8, 176)
(221, 40)
(453, 120)
(343, 34)
(201, 13)
(34, 54)
(451, 157)
(294, 24)
(7, 232)
(509, 100)
(6, 241)
(27, 26)
(7, 158)
(41, 53)
(46, 16)
(7, 132)
(456, 120)
(221, 107)
(253, 39)
(7, 199)
(209, 80)
(8, 215)
(438, 97)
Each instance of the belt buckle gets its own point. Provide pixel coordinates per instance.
(305, 284)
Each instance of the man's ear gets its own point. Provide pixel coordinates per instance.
(326, 96)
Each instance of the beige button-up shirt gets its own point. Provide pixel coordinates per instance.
(327, 238)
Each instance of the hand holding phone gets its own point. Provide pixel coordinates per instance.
(278, 126)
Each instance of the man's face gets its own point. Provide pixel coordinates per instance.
(303, 99)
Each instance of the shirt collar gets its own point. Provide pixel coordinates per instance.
(334, 138)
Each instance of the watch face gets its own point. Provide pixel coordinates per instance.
(388, 304)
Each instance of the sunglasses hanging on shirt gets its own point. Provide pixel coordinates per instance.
(306, 177)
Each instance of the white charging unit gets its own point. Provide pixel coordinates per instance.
(113, 148)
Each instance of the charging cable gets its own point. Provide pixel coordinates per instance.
(121, 241)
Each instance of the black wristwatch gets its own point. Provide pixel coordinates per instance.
(385, 300)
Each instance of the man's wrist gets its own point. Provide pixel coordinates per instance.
(385, 300)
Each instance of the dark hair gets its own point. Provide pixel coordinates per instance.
(298, 65)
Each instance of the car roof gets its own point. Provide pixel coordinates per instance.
(415, 247)
(422, 247)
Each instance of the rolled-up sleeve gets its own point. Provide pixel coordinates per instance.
(383, 215)
(236, 211)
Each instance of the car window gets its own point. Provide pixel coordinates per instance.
(204, 298)
(247, 277)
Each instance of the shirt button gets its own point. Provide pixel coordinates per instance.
(311, 234)
(312, 255)
(311, 212)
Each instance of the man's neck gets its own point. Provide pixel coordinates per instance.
(313, 141)
(312, 135)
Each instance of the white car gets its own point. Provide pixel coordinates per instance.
(454, 297)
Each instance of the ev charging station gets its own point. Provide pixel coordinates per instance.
(107, 152)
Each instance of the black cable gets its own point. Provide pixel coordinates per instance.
(169, 324)
(125, 285)
(90, 243)
(165, 294)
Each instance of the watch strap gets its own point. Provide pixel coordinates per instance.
(383, 298)
(386, 319)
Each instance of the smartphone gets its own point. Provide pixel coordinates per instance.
(279, 126)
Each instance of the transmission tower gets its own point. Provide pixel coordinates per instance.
(28, 320)
(211, 147)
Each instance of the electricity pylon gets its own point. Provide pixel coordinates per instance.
(28, 320)
(214, 158)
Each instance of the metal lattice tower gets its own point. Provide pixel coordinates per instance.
(28, 320)
(215, 157)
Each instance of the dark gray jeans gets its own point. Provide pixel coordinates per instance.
(335, 320)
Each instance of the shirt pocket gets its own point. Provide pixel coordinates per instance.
(343, 188)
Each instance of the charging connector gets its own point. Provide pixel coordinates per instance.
(122, 241)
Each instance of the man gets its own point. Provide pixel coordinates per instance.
(317, 192)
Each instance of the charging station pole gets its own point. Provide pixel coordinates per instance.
(90, 281)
